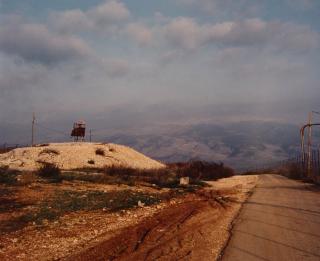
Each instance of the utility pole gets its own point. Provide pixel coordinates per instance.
(309, 144)
(90, 134)
(33, 122)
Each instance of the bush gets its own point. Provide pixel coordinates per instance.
(201, 170)
(50, 171)
(168, 177)
(92, 162)
(100, 152)
(7, 176)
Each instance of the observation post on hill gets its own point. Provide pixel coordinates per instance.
(79, 131)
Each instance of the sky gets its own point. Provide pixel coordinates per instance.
(111, 62)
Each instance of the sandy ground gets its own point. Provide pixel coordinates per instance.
(76, 155)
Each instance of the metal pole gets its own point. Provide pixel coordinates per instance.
(33, 122)
(90, 132)
(309, 144)
(302, 142)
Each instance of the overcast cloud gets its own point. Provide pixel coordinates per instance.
(71, 59)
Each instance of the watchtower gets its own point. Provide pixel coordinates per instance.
(79, 131)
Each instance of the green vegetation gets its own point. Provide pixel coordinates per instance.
(68, 201)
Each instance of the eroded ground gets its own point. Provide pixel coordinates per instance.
(176, 225)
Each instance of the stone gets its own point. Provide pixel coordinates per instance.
(184, 181)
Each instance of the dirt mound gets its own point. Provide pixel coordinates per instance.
(77, 155)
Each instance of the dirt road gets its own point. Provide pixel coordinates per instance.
(195, 229)
(280, 221)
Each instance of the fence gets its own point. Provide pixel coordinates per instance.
(311, 171)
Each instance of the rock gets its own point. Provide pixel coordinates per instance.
(140, 204)
(184, 181)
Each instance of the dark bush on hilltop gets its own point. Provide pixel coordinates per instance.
(50, 172)
(201, 170)
(100, 152)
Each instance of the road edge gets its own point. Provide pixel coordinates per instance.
(232, 224)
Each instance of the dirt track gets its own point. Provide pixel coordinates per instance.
(187, 231)
(196, 228)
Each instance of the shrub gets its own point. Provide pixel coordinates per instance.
(7, 176)
(201, 170)
(92, 162)
(50, 171)
(100, 152)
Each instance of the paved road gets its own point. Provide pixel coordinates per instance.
(280, 221)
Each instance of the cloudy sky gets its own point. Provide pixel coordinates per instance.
(71, 59)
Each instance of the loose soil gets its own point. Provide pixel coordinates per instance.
(190, 226)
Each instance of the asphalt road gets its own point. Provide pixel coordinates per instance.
(280, 221)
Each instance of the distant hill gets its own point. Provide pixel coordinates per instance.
(241, 145)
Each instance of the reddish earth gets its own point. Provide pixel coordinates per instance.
(189, 227)
(191, 230)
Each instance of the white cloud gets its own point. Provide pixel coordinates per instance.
(71, 21)
(108, 12)
(239, 8)
(35, 43)
(100, 17)
(140, 33)
(186, 33)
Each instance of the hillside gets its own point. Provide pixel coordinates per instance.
(241, 145)
(76, 155)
